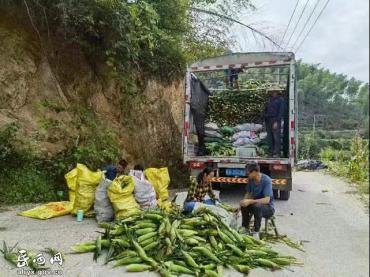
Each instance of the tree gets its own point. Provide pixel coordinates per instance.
(150, 37)
(342, 101)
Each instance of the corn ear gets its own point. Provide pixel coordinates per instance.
(138, 267)
(83, 248)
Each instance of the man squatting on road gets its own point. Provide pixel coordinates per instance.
(258, 200)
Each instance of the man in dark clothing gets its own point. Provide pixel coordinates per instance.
(273, 117)
(198, 107)
(111, 171)
(232, 77)
(286, 127)
(259, 199)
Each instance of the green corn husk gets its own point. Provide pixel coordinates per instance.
(138, 267)
(243, 268)
(198, 244)
(83, 248)
(211, 273)
(9, 253)
(229, 108)
(127, 261)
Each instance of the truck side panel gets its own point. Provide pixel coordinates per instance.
(291, 123)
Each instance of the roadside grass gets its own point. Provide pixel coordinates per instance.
(352, 165)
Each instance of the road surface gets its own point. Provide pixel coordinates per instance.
(323, 212)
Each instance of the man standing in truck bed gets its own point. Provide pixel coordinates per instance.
(273, 116)
(232, 77)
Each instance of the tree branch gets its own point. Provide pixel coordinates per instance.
(240, 23)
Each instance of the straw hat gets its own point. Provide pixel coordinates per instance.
(275, 88)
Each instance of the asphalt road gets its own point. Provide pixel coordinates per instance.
(323, 212)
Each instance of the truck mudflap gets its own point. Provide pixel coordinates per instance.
(275, 182)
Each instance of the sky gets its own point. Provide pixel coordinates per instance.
(339, 41)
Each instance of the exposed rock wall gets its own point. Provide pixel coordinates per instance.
(42, 89)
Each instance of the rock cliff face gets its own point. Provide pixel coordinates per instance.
(43, 89)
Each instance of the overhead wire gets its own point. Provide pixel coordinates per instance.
(296, 25)
(290, 21)
(306, 23)
(313, 25)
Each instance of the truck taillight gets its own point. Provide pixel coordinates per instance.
(196, 165)
(279, 167)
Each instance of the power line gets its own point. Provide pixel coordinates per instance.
(296, 25)
(317, 18)
(305, 24)
(290, 20)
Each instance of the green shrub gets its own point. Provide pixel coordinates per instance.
(29, 178)
(26, 184)
(336, 144)
(328, 154)
(10, 155)
(22, 179)
(52, 105)
(95, 151)
(358, 165)
(49, 124)
(309, 147)
(322, 134)
(353, 164)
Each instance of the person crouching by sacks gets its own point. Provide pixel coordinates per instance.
(199, 188)
(113, 171)
(144, 191)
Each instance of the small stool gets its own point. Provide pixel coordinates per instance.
(272, 219)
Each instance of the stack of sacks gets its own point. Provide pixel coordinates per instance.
(212, 133)
(211, 126)
(248, 127)
(247, 134)
(243, 138)
(218, 141)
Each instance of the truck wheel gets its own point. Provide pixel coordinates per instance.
(216, 186)
(284, 194)
(276, 193)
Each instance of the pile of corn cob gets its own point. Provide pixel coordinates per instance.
(199, 244)
(220, 149)
(237, 107)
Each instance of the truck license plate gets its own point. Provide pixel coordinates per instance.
(235, 172)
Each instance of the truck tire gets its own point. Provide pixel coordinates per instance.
(284, 194)
(276, 193)
(216, 186)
